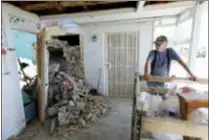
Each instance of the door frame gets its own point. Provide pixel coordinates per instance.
(106, 81)
(46, 34)
(42, 66)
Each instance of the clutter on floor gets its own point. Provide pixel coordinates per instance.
(171, 108)
(69, 100)
(28, 82)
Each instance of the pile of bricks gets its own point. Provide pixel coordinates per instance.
(69, 101)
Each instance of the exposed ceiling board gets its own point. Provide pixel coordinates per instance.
(140, 5)
(158, 2)
(63, 4)
(82, 12)
(89, 14)
(123, 14)
(60, 7)
(129, 16)
(170, 5)
(126, 16)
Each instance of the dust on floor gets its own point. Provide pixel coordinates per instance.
(114, 126)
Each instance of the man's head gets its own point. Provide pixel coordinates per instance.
(161, 43)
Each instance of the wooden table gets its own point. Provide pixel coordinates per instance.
(190, 102)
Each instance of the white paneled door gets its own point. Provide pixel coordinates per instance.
(122, 62)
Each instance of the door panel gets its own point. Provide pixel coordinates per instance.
(122, 60)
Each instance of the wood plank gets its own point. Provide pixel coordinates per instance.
(55, 31)
(40, 72)
(138, 88)
(170, 79)
(187, 106)
(140, 6)
(63, 4)
(170, 5)
(82, 52)
(84, 3)
(175, 127)
(155, 90)
(197, 104)
(40, 6)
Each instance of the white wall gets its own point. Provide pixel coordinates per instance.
(94, 52)
(13, 116)
(124, 14)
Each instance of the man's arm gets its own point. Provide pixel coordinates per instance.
(146, 67)
(182, 63)
(147, 64)
(176, 57)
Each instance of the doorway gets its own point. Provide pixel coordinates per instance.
(122, 62)
(26, 64)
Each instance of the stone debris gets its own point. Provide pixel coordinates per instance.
(69, 100)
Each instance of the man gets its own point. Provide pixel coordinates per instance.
(159, 61)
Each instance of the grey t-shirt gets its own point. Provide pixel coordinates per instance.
(160, 62)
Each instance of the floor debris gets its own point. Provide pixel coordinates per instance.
(68, 97)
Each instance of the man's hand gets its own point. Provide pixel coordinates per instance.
(193, 78)
(146, 76)
(146, 73)
(181, 62)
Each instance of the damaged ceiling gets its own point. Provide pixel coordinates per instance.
(43, 8)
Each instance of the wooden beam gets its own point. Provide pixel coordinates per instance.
(170, 79)
(122, 14)
(155, 90)
(84, 3)
(63, 4)
(40, 72)
(185, 15)
(170, 5)
(54, 31)
(40, 6)
(140, 6)
(89, 14)
(175, 127)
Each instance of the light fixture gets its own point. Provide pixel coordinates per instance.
(94, 38)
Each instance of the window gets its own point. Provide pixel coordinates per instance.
(201, 65)
(179, 39)
(169, 21)
(183, 51)
(23, 44)
(168, 31)
(184, 30)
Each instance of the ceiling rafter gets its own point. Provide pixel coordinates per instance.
(140, 5)
(63, 4)
(49, 8)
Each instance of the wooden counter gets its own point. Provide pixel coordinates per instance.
(190, 102)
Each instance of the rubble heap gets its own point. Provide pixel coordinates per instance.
(69, 100)
(72, 55)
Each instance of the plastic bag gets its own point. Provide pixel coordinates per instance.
(169, 105)
(144, 101)
(150, 103)
(173, 88)
(154, 101)
(163, 136)
(199, 115)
